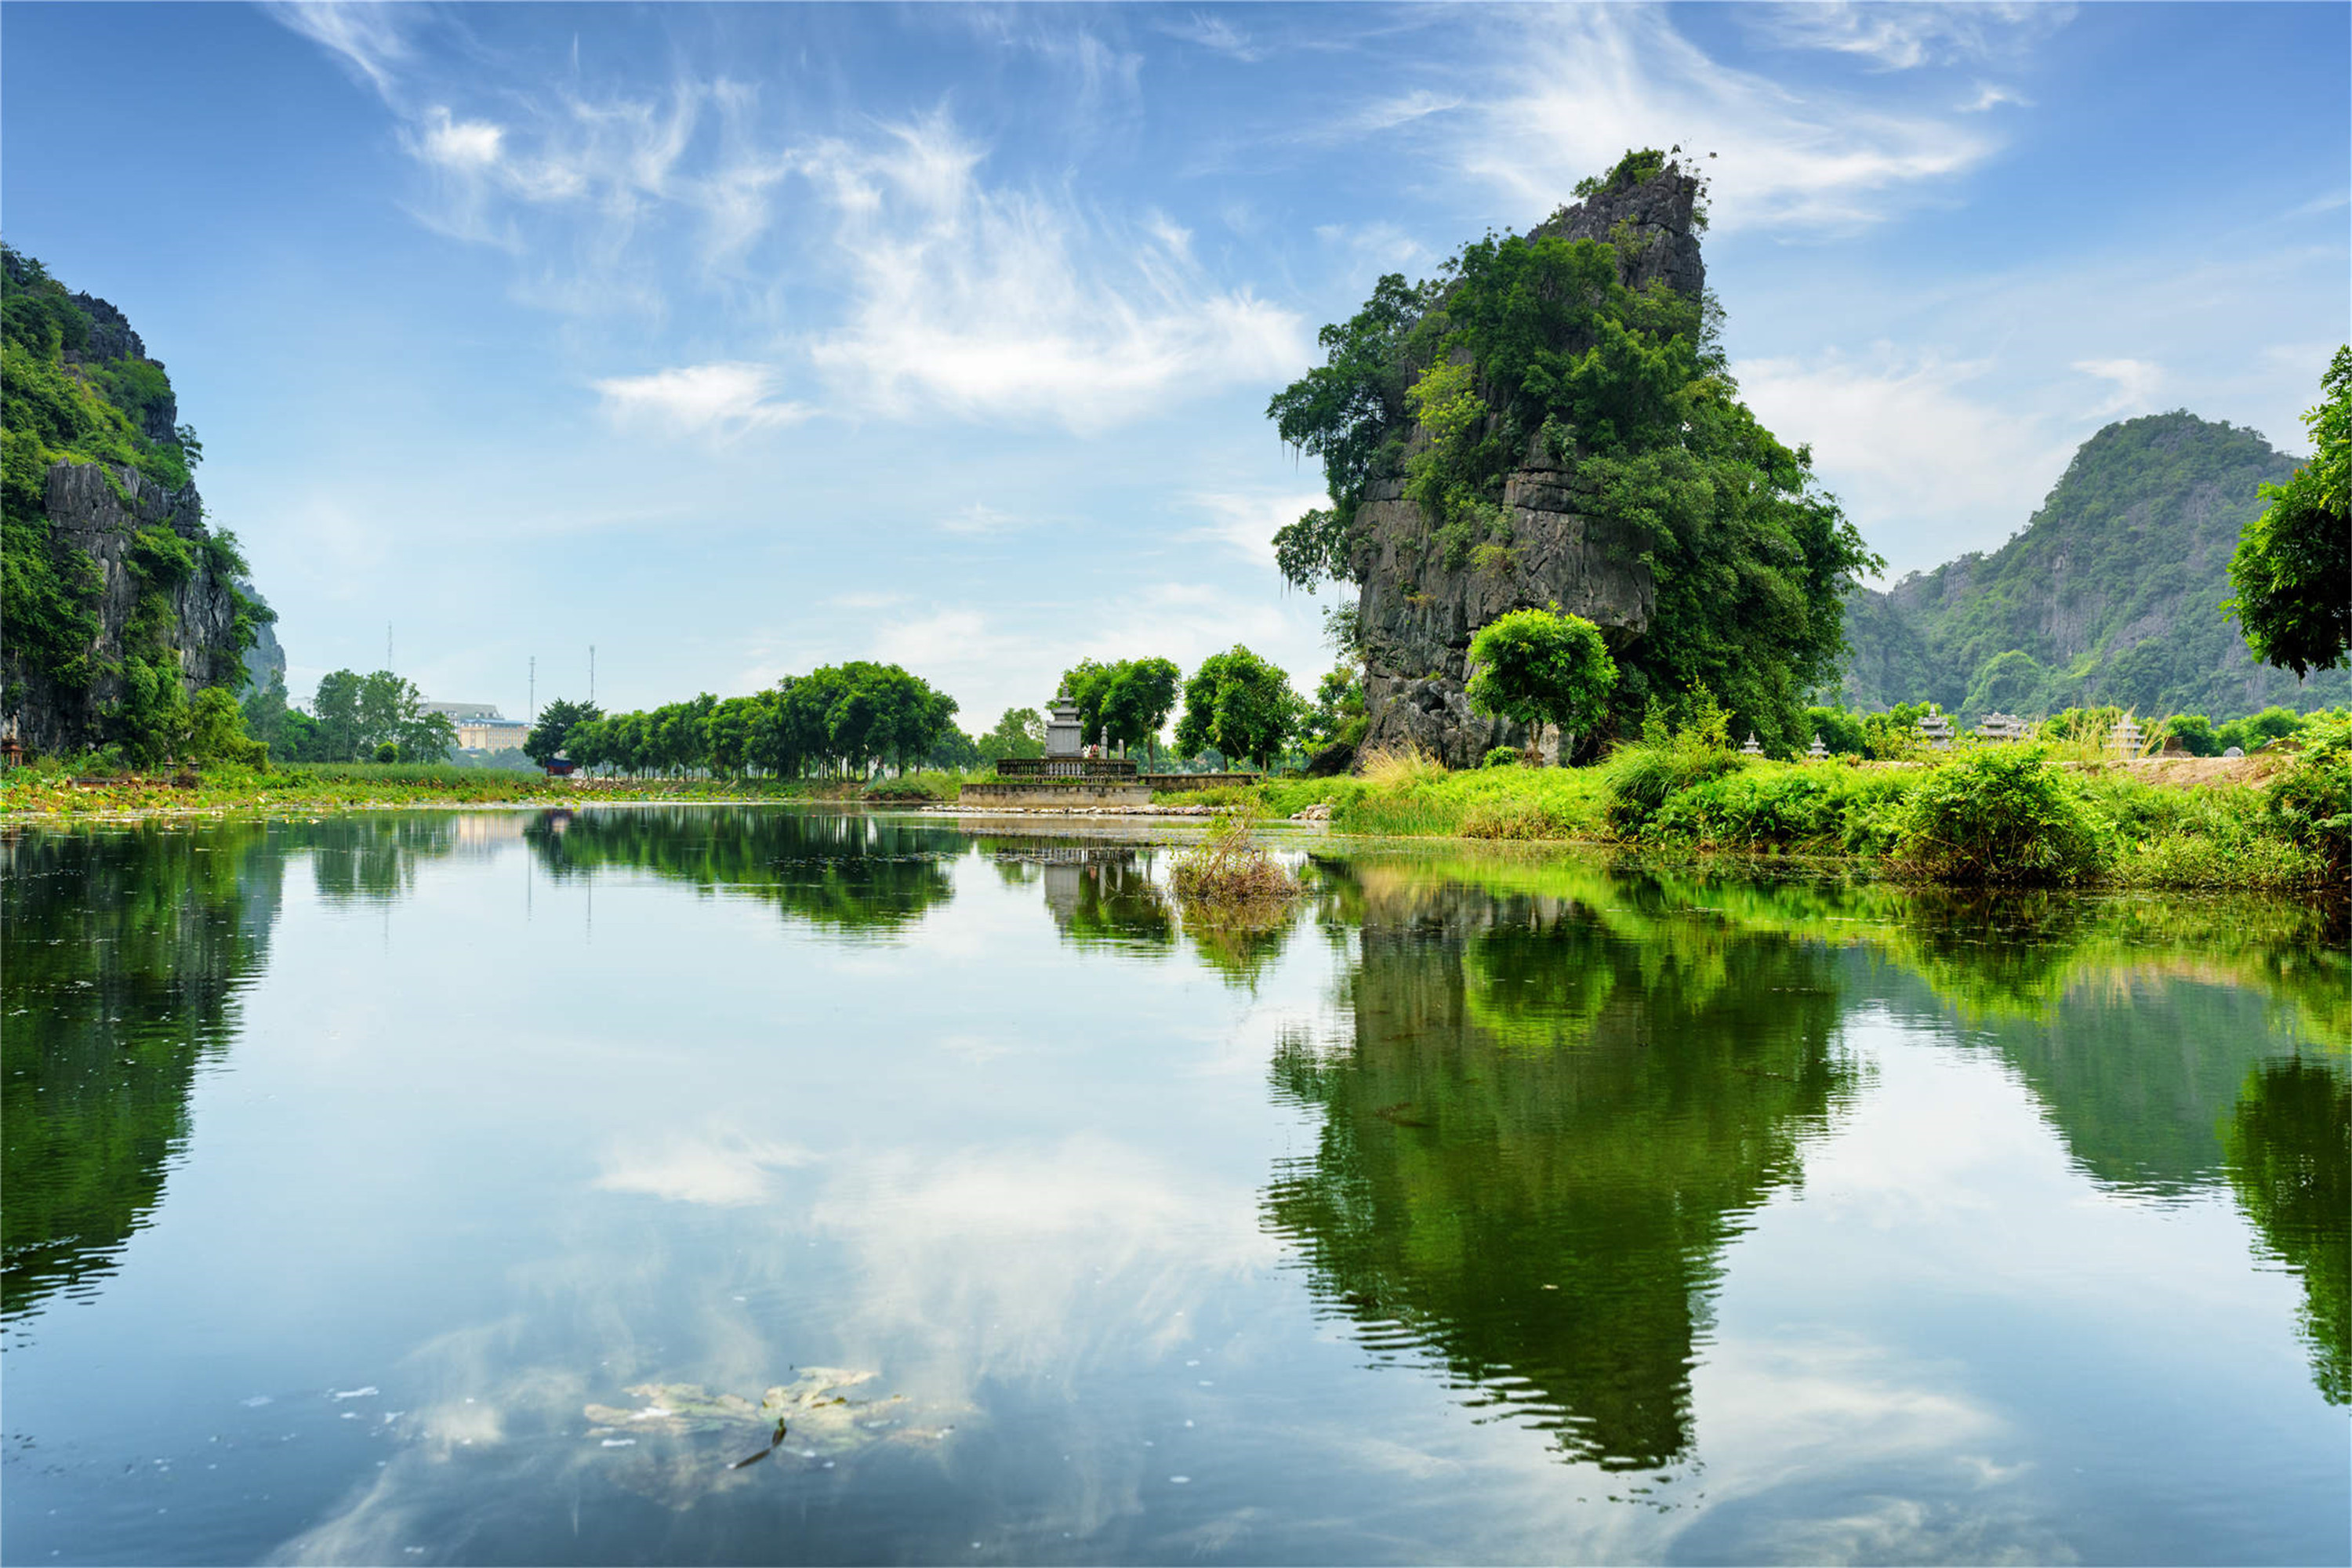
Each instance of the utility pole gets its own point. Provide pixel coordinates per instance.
(387, 646)
(530, 707)
(591, 675)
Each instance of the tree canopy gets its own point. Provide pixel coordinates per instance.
(1540, 667)
(2292, 571)
(1241, 705)
(841, 718)
(1536, 342)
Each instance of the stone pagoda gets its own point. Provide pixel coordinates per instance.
(1065, 777)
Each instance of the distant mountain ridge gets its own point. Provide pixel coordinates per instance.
(2110, 593)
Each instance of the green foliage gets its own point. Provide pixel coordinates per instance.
(1631, 170)
(844, 718)
(1840, 734)
(2290, 571)
(2311, 802)
(1540, 667)
(2195, 734)
(1019, 732)
(2107, 596)
(2001, 815)
(93, 412)
(1540, 337)
(548, 736)
(357, 716)
(1501, 757)
(1641, 777)
(1241, 705)
(1130, 699)
(1338, 716)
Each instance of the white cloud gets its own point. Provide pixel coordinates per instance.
(1578, 87)
(2318, 204)
(1925, 467)
(1901, 38)
(1403, 109)
(999, 304)
(461, 143)
(1990, 96)
(366, 37)
(1247, 523)
(1215, 32)
(2135, 381)
(721, 1171)
(726, 397)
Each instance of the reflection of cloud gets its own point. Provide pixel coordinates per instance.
(724, 1172)
(1002, 1261)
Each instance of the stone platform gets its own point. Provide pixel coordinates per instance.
(1029, 793)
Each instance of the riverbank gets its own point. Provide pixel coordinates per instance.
(1991, 816)
(31, 794)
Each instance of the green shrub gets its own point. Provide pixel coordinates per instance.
(1501, 757)
(2002, 815)
(1643, 775)
(2311, 803)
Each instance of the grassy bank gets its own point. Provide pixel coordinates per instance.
(1979, 816)
(48, 792)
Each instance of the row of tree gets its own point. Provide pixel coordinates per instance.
(846, 719)
(853, 719)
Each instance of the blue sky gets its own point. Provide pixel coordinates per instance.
(740, 339)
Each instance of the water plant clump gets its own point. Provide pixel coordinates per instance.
(1229, 870)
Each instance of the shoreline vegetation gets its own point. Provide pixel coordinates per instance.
(2029, 814)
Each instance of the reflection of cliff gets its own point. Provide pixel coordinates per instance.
(2290, 1151)
(122, 956)
(1541, 1135)
(849, 873)
(2135, 1072)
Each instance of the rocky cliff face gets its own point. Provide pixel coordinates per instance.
(1416, 613)
(98, 510)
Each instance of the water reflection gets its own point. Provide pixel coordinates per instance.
(1539, 1135)
(1562, 1087)
(122, 955)
(848, 873)
(1099, 895)
(2290, 1145)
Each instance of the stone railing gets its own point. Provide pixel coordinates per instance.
(1122, 769)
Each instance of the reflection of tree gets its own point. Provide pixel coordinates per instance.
(2290, 1152)
(373, 856)
(849, 872)
(1541, 1135)
(121, 955)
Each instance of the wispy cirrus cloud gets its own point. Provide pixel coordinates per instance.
(1216, 34)
(369, 40)
(1581, 86)
(727, 397)
(2135, 382)
(993, 302)
(1906, 37)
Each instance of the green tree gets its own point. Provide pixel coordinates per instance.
(1540, 667)
(1241, 705)
(2290, 573)
(1338, 716)
(1136, 701)
(2195, 734)
(1538, 342)
(547, 736)
(1839, 731)
(1019, 732)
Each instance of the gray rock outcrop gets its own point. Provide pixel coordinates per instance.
(1416, 612)
(102, 519)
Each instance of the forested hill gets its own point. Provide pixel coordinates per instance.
(2109, 595)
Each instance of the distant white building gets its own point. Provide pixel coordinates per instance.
(480, 726)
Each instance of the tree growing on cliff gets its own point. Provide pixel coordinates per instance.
(1539, 667)
(1241, 705)
(2292, 571)
(1539, 348)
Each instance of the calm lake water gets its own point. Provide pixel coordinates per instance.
(453, 1188)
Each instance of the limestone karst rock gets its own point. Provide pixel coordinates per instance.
(1416, 614)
